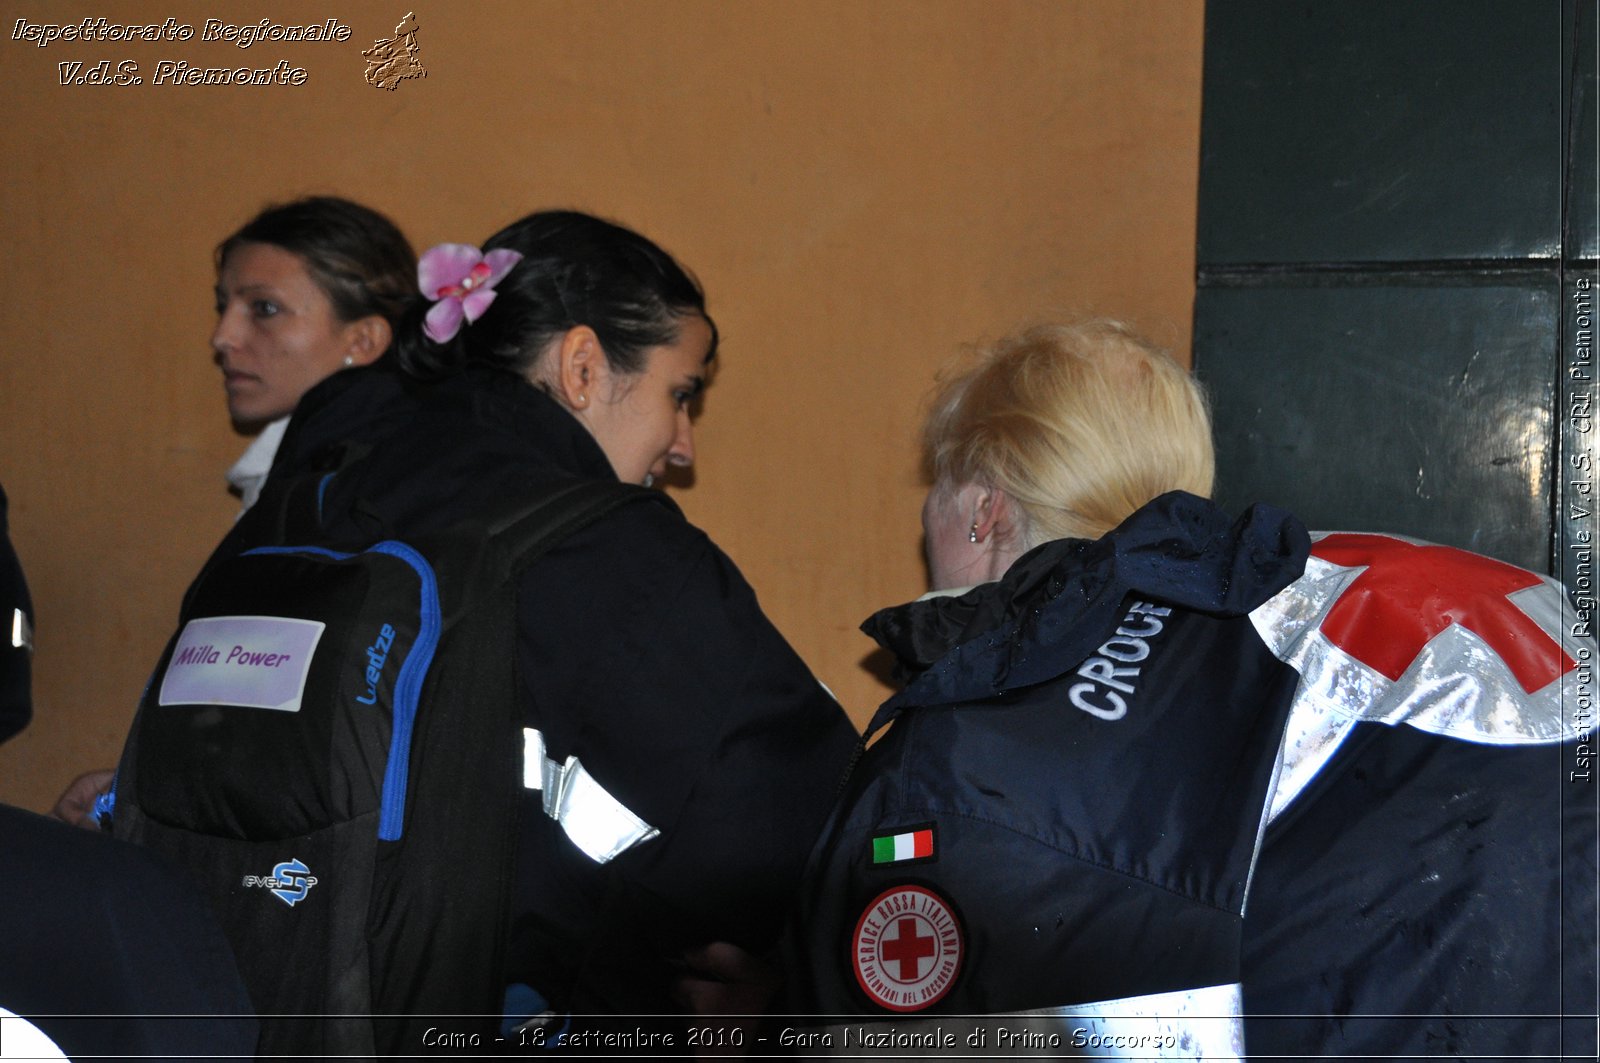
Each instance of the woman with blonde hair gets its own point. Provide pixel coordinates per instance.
(1113, 694)
(1076, 426)
(1026, 836)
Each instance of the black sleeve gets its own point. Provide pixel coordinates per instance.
(645, 654)
(110, 951)
(16, 620)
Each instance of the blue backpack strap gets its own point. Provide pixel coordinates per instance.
(472, 733)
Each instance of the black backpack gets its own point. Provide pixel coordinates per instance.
(331, 746)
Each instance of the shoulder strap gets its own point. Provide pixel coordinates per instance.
(289, 510)
(473, 733)
(534, 528)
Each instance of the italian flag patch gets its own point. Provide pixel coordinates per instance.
(898, 848)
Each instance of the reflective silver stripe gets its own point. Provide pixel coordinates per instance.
(1263, 819)
(597, 823)
(1314, 733)
(1457, 687)
(21, 631)
(1186, 1024)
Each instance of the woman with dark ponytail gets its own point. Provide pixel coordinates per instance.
(675, 756)
(596, 316)
(576, 269)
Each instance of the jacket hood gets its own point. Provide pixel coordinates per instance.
(397, 448)
(359, 403)
(1062, 599)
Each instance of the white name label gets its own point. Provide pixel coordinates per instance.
(252, 662)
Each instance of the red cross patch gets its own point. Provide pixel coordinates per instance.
(1409, 593)
(906, 949)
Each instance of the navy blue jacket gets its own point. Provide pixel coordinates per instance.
(1080, 761)
(1079, 794)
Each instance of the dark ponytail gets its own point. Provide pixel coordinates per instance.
(576, 270)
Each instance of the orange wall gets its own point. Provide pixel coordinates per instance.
(863, 187)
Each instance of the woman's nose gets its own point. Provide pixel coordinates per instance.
(223, 336)
(682, 452)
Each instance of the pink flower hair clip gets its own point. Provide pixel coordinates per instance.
(460, 280)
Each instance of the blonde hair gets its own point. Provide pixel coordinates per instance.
(1079, 424)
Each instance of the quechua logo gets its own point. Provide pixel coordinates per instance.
(290, 881)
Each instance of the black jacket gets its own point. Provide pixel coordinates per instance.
(16, 625)
(641, 651)
(111, 951)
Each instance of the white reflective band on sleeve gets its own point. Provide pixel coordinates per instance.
(533, 759)
(597, 823)
(1186, 1024)
(21, 631)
